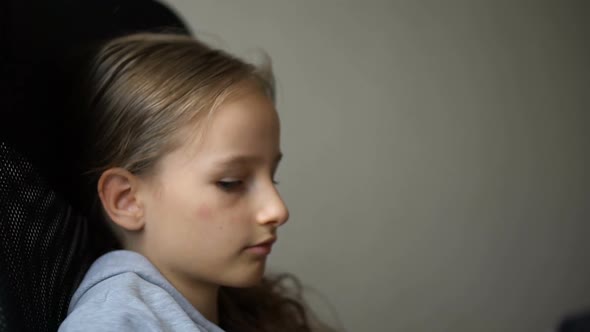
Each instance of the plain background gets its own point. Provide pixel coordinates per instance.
(436, 156)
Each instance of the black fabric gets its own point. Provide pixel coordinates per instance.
(41, 241)
(45, 245)
(8, 318)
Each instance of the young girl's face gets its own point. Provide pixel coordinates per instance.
(212, 201)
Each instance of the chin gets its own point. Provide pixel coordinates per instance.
(246, 279)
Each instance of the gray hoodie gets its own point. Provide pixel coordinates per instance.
(123, 291)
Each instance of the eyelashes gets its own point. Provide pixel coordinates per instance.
(235, 185)
(230, 185)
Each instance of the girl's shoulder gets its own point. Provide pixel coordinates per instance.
(122, 291)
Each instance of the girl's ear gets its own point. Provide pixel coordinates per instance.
(118, 192)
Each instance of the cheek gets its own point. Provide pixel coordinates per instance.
(210, 215)
(204, 212)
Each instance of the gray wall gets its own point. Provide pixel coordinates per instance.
(437, 165)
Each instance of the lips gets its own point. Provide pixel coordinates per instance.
(267, 242)
(263, 247)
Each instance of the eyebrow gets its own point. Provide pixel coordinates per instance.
(244, 160)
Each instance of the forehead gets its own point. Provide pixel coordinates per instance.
(244, 124)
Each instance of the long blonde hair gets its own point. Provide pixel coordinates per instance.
(139, 92)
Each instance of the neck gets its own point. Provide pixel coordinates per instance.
(205, 299)
(203, 296)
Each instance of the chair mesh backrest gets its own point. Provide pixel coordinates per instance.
(41, 241)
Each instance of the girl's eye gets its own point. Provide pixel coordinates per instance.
(230, 185)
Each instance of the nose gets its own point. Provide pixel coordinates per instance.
(273, 210)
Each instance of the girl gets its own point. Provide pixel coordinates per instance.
(184, 145)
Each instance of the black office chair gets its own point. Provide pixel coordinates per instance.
(42, 245)
(579, 322)
(46, 243)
